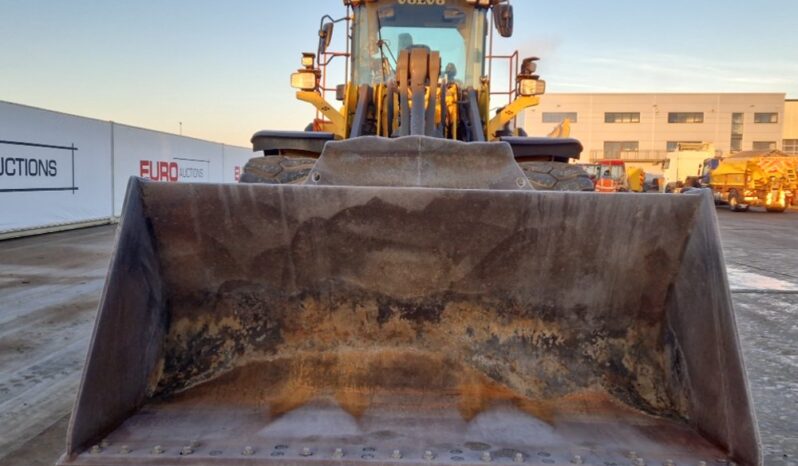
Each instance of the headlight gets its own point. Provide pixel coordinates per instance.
(529, 86)
(308, 60)
(304, 80)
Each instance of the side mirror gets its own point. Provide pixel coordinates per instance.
(325, 36)
(529, 66)
(503, 19)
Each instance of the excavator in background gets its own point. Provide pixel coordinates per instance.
(563, 130)
(393, 288)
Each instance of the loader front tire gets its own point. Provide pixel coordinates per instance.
(277, 169)
(557, 176)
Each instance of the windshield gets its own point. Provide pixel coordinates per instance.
(450, 27)
(615, 172)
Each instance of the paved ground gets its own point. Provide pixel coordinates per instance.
(762, 257)
(49, 287)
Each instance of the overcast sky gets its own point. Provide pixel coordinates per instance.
(222, 66)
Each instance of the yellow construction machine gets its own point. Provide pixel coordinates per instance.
(415, 299)
(753, 179)
(418, 68)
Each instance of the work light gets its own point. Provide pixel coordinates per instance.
(308, 60)
(304, 80)
(528, 86)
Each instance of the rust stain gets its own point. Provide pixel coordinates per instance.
(353, 350)
(406, 380)
(478, 394)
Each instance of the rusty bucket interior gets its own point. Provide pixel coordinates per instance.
(258, 324)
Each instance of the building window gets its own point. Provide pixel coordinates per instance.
(673, 146)
(766, 117)
(616, 117)
(616, 149)
(791, 146)
(736, 143)
(559, 117)
(738, 124)
(764, 145)
(689, 117)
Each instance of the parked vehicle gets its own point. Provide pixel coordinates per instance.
(636, 179)
(593, 171)
(613, 177)
(683, 168)
(654, 183)
(753, 179)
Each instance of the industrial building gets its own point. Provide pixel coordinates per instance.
(790, 144)
(645, 127)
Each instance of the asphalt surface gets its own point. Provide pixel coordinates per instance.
(761, 252)
(50, 286)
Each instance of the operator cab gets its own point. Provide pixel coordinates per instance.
(454, 28)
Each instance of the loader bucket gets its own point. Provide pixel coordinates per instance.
(392, 323)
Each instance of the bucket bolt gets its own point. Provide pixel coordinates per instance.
(248, 451)
(486, 457)
(338, 453)
(640, 462)
(306, 452)
(124, 449)
(397, 455)
(157, 450)
(96, 450)
(577, 460)
(187, 450)
(518, 458)
(428, 455)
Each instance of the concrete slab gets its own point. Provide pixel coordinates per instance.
(762, 258)
(49, 289)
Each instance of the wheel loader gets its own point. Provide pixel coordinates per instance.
(418, 68)
(405, 293)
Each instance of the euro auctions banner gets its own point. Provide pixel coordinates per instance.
(168, 158)
(53, 168)
(30, 166)
(58, 169)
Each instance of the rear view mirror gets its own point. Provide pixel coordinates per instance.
(325, 36)
(503, 19)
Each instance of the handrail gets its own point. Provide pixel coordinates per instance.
(513, 64)
(327, 58)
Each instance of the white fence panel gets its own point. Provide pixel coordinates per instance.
(162, 157)
(234, 160)
(59, 170)
(54, 169)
